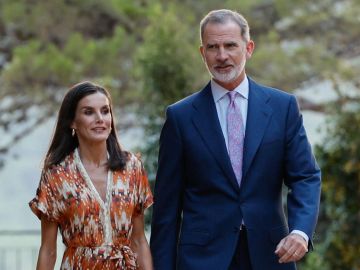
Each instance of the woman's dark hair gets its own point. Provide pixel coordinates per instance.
(63, 143)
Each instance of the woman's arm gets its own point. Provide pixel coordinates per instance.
(47, 252)
(140, 245)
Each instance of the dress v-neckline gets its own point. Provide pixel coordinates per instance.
(105, 205)
(90, 184)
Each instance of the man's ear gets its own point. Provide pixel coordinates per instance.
(202, 52)
(250, 47)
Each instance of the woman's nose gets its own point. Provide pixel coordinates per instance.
(99, 117)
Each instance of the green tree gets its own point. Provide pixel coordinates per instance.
(339, 158)
(47, 46)
(167, 70)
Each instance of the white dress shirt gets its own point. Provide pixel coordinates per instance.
(222, 101)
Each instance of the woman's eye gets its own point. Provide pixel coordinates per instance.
(88, 112)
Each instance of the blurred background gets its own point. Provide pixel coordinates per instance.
(146, 53)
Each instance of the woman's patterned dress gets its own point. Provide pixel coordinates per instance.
(96, 233)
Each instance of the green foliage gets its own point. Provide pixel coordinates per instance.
(167, 61)
(58, 43)
(54, 21)
(303, 41)
(133, 9)
(314, 261)
(339, 158)
(303, 61)
(36, 65)
(31, 68)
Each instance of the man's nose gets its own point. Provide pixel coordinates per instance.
(222, 54)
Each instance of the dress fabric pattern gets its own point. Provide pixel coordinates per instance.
(96, 233)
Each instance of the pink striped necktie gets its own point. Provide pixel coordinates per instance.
(235, 130)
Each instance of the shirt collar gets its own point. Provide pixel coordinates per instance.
(219, 92)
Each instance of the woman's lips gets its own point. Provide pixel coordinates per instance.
(98, 129)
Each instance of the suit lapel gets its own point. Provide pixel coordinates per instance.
(259, 114)
(207, 123)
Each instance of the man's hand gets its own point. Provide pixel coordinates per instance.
(291, 248)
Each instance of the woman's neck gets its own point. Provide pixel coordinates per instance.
(94, 156)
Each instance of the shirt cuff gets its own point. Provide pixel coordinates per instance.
(304, 235)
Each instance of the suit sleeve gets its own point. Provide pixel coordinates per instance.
(167, 196)
(302, 175)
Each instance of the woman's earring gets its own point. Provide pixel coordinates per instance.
(73, 132)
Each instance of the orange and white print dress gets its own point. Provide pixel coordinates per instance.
(96, 233)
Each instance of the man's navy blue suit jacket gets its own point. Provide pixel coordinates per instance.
(199, 206)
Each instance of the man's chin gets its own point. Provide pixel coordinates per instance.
(222, 79)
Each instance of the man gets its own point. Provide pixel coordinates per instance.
(225, 153)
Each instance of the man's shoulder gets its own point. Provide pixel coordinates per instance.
(270, 91)
(187, 101)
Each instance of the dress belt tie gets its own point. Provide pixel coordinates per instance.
(122, 253)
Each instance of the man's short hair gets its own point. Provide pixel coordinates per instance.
(223, 16)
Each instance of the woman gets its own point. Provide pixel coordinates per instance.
(91, 190)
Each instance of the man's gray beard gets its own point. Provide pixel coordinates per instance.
(225, 77)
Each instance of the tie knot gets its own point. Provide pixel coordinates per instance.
(232, 95)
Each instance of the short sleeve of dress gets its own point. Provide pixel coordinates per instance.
(144, 194)
(46, 202)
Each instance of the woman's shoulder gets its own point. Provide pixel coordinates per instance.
(62, 167)
(133, 163)
(134, 160)
(132, 167)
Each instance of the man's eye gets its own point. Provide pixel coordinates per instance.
(231, 45)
